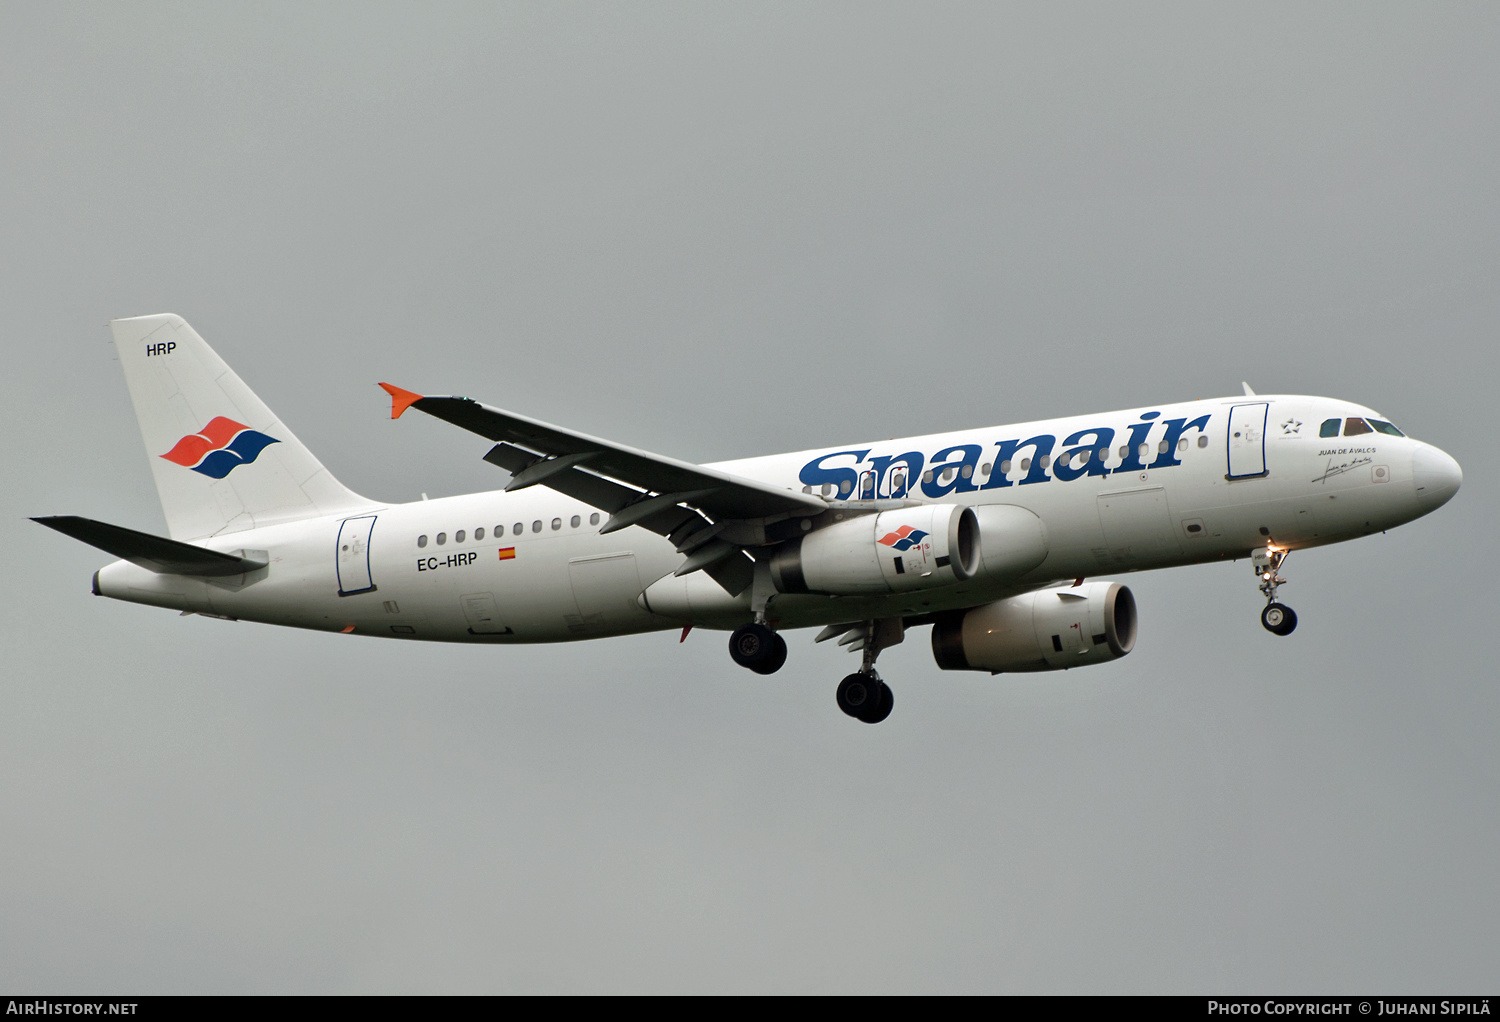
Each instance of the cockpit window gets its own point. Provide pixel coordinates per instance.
(1330, 427)
(1354, 427)
(1381, 426)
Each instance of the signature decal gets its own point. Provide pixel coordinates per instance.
(1340, 468)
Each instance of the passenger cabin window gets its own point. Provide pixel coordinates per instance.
(516, 529)
(442, 538)
(536, 526)
(1356, 427)
(556, 524)
(1381, 426)
(479, 533)
(421, 541)
(574, 522)
(594, 518)
(458, 537)
(1203, 441)
(1330, 427)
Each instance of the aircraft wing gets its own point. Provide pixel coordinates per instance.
(689, 504)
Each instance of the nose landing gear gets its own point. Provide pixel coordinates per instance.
(1278, 618)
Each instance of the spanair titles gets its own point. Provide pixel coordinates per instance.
(1149, 444)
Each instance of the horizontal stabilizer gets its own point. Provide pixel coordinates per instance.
(154, 553)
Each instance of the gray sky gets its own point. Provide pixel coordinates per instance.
(716, 231)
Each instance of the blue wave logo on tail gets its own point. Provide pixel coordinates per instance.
(219, 448)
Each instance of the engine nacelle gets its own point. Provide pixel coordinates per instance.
(1048, 630)
(1012, 540)
(889, 552)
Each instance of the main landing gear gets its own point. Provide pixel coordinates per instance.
(757, 647)
(1278, 618)
(862, 695)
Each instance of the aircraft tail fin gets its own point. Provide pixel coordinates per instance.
(223, 462)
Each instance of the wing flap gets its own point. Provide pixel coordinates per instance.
(734, 573)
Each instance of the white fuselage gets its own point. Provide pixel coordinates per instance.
(1191, 483)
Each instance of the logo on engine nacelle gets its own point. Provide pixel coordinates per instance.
(903, 538)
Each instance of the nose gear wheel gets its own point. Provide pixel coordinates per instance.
(1278, 618)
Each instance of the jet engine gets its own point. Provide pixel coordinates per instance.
(892, 551)
(1047, 630)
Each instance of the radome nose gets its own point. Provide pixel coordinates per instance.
(1435, 476)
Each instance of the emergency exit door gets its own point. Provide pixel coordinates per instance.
(354, 556)
(1247, 440)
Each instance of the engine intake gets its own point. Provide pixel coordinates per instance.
(1047, 630)
(892, 551)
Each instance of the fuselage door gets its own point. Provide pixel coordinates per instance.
(1247, 440)
(354, 556)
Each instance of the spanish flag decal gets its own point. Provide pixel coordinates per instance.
(507, 553)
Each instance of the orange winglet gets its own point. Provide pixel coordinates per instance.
(401, 400)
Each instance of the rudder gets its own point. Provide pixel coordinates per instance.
(222, 461)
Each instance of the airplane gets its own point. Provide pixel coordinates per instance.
(988, 536)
